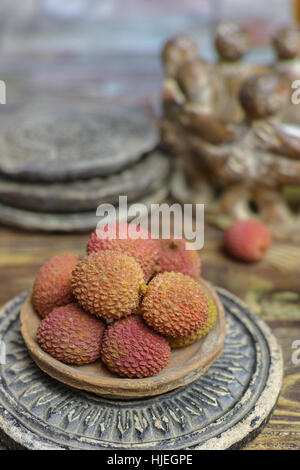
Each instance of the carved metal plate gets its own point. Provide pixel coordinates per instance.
(222, 409)
(65, 222)
(136, 181)
(65, 142)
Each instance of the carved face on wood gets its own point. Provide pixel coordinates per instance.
(176, 52)
(231, 42)
(286, 43)
(194, 79)
(263, 96)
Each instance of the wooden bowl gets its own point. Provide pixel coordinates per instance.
(185, 366)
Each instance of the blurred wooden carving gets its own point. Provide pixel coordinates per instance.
(195, 83)
(286, 44)
(239, 170)
(232, 44)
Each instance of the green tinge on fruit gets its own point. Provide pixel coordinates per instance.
(174, 305)
(201, 333)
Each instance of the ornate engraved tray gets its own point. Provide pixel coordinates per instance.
(223, 409)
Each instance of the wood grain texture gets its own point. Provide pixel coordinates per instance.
(283, 430)
(270, 287)
(21, 254)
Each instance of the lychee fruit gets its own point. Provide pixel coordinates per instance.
(201, 333)
(247, 240)
(121, 237)
(174, 305)
(131, 349)
(174, 256)
(52, 286)
(108, 284)
(71, 335)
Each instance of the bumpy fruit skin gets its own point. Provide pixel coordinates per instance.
(108, 284)
(71, 335)
(247, 240)
(201, 333)
(175, 305)
(143, 250)
(131, 349)
(173, 256)
(52, 286)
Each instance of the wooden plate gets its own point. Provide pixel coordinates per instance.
(64, 222)
(185, 366)
(137, 181)
(63, 141)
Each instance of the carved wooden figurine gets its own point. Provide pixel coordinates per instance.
(232, 44)
(286, 43)
(239, 171)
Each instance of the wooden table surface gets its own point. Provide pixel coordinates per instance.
(22, 253)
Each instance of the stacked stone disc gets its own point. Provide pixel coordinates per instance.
(59, 163)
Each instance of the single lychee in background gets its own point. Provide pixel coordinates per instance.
(247, 240)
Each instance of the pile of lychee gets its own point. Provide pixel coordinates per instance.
(128, 301)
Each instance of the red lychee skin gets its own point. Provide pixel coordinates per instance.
(131, 349)
(247, 240)
(52, 286)
(143, 250)
(174, 256)
(175, 305)
(71, 335)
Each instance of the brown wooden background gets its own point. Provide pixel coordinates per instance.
(115, 60)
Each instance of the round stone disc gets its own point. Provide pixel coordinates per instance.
(65, 222)
(140, 179)
(223, 409)
(67, 142)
